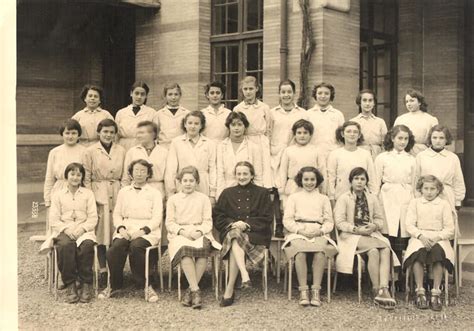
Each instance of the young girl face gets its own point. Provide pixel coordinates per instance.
(309, 181)
(412, 103)
(138, 96)
(249, 91)
(302, 136)
(92, 99)
(438, 140)
(70, 137)
(145, 135)
(139, 173)
(359, 183)
(351, 134)
(367, 102)
(107, 134)
(236, 129)
(243, 175)
(193, 126)
(74, 178)
(400, 141)
(215, 96)
(287, 95)
(188, 183)
(173, 96)
(323, 96)
(429, 191)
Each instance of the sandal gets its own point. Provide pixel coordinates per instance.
(421, 301)
(435, 302)
(384, 300)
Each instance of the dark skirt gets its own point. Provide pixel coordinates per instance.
(398, 244)
(187, 251)
(255, 253)
(427, 257)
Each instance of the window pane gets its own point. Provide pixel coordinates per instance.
(219, 19)
(232, 18)
(219, 59)
(233, 86)
(233, 58)
(252, 57)
(254, 15)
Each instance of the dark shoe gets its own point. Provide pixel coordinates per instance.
(279, 231)
(196, 299)
(71, 295)
(435, 302)
(103, 278)
(421, 302)
(226, 302)
(186, 299)
(246, 285)
(86, 295)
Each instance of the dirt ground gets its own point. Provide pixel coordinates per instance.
(38, 309)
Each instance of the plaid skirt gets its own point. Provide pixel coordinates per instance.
(188, 251)
(255, 253)
(424, 256)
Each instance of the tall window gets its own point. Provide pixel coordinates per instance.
(378, 54)
(236, 44)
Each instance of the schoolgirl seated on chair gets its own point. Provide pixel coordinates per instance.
(308, 220)
(359, 218)
(73, 218)
(189, 225)
(430, 223)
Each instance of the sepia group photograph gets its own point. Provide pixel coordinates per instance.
(237, 164)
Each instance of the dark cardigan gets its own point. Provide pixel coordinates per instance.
(251, 204)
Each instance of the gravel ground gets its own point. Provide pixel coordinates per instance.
(38, 310)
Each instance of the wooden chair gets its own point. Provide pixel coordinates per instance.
(288, 285)
(215, 275)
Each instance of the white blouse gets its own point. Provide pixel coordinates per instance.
(325, 125)
(420, 123)
(169, 124)
(394, 168)
(339, 166)
(127, 123)
(215, 123)
(373, 128)
(258, 115)
(89, 121)
(280, 127)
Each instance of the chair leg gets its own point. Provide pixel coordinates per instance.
(458, 266)
(56, 274)
(329, 280)
(265, 276)
(392, 275)
(278, 261)
(147, 270)
(407, 285)
(216, 275)
(359, 277)
(96, 271)
(290, 277)
(446, 287)
(179, 282)
(170, 276)
(160, 268)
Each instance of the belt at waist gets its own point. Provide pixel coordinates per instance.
(309, 222)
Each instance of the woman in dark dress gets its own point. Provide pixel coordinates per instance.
(243, 216)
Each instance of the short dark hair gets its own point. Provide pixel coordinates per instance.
(429, 179)
(299, 176)
(440, 128)
(107, 122)
(75, 166)
(189, 170)
(421, 98)
(144, 163)
(327, 85)
(217, 84)
(392, 133)
(236, 115)
(70, 124)
(340, 131)
(357, 172)
(194, 113)
(151, 125)
(141, 84)
(96, 88)
(359, 99)
(245, 164)
(302, 123)
(287, 82)
(170, 86)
